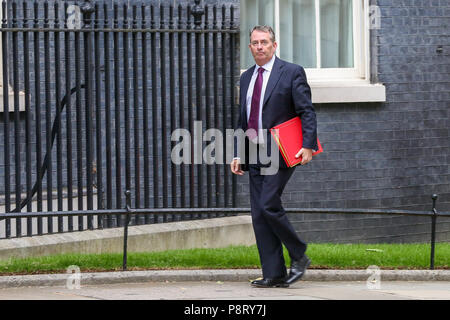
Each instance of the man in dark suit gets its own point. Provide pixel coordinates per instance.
(272, 92)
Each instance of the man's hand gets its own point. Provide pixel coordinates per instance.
(306, 155)
(236, 167)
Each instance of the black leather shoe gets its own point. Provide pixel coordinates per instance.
(270, 283)
(298, 269)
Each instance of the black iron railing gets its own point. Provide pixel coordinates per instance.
(91, 95)
(128, 212)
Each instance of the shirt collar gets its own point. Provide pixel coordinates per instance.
(268, 66)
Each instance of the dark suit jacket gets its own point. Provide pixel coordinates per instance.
(287, 95)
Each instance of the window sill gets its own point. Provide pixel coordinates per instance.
(11, 101)
(346, 91)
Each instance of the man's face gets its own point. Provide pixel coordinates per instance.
(262, 47)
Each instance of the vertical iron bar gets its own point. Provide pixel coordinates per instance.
(233, 110)
(145, 119)
(207, 106)
(79, 128)
(162, 39)
(108, 117)
(173, 171)
(117, 96)
(154, 112)
(68, 119)
(224, 106)
(48, 118)
(17, 124)
(28, 118)
(137, 145)
(6, 125)
(198, 11)
(181, 101)
(59, 169)
(190, 111)
(216, 102)
(87, 10)
(433, 231)
(98, 118)
(126, 99)
(37, 102)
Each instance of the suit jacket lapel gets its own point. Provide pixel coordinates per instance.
(275, 74)
(247, 77)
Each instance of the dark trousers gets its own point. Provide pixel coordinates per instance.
(270, 223)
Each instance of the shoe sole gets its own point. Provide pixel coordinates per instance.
(280, 285)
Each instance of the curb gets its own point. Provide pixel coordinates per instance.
(237, 275)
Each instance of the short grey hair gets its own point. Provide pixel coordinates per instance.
(264, 28)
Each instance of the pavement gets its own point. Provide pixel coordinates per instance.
(209, 290)
(372, 284)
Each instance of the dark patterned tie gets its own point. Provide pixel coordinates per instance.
(256, 97)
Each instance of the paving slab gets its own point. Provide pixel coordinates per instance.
(219, 290)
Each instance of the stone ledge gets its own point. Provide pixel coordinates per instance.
(208, 233)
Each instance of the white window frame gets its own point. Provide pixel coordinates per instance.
(334, 85)
(358, 47)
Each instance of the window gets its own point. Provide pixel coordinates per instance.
(329, 38)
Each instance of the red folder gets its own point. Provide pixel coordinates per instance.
(289, 138)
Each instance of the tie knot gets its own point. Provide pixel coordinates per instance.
(261, 70)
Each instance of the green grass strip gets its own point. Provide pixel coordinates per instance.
(323, 256)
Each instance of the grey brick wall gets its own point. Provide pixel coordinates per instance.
(391, 155)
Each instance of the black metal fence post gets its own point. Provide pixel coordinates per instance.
(125, 229)
(433, 231)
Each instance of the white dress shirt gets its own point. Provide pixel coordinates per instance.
(266, 74)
